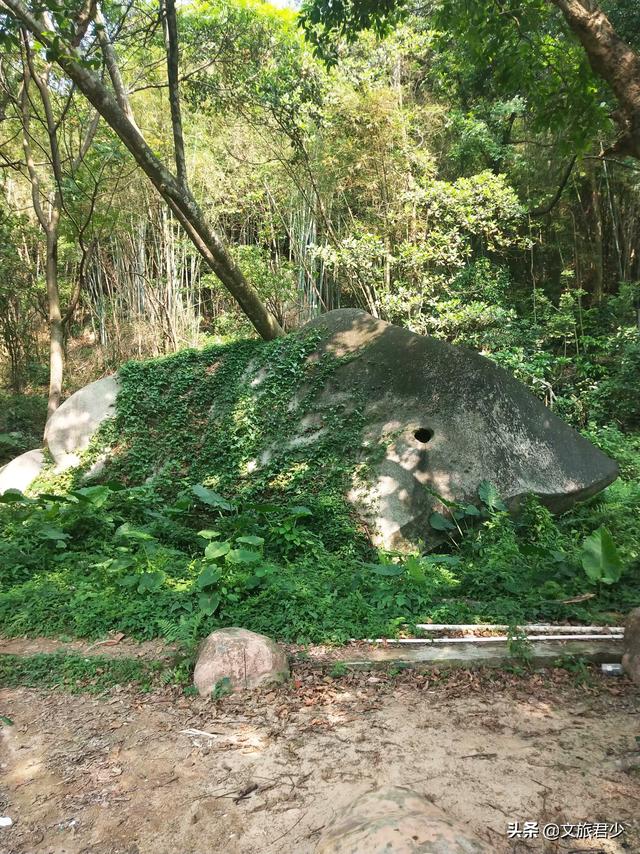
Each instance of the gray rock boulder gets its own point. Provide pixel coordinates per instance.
(631, 655)
(395, 820)
(73, 424)
(22, 471)
(448, 419)
(244, 658)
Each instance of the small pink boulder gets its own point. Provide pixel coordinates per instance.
(395, 820)
(631, 656)
(244, 658)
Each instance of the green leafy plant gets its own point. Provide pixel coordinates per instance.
(577, 666)
(462, 514)
(338, 670)
(211, 498)
(519, 646)
(230, 569)
(222, 688)
(600, 559)
(399, 667)
(212, 513)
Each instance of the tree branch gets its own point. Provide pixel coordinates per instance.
(612, 59)
(180, 199)
(171, 42)
(111, 61)
(550, 205)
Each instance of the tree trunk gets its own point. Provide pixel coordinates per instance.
(171, 42)
(179, 198)
(615, 61)
(596, 243)
(56, 331)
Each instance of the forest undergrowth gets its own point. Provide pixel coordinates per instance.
(181, 533)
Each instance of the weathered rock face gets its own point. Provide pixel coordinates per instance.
(449, 419)
(245, 658)
(631, 656)
(396, 821)
(71, 427)
(22, 471)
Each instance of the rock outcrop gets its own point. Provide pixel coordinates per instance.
(449, 419)
(438, 421)
(395, 820)
(22, 471)
(73, 424)
(244, 658)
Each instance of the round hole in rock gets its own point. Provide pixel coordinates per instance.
(423, 435)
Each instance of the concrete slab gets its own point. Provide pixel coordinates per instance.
(491, 652)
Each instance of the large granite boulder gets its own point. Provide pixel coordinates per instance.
(22, 471)
(448, 420)
(241, 658)
(438, 421)
(396, 820)
(631, 655)
(72, 425)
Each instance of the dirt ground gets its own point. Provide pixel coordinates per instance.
(161, 773)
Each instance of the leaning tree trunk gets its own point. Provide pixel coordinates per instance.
(176, 195)
(615, 61)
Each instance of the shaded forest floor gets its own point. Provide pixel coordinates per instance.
(129, 772)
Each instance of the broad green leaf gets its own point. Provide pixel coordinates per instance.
(251, 541)
(5, 721)
(122, 563)
(48, 532)
(211, 498)
(130, 532)
(243, 556)
(600, 559)
(389, 570)
(208, 534)
(449, 560)
(216, 550)
(154, 514)
(265, 569)
(150, 581)
(14, 496)
(300, 510)
(261, 507)
(490, 496)
(56, 499)
(96, 495)
(209, 575)
(208, 603)
(440, 523)
(416, 569)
